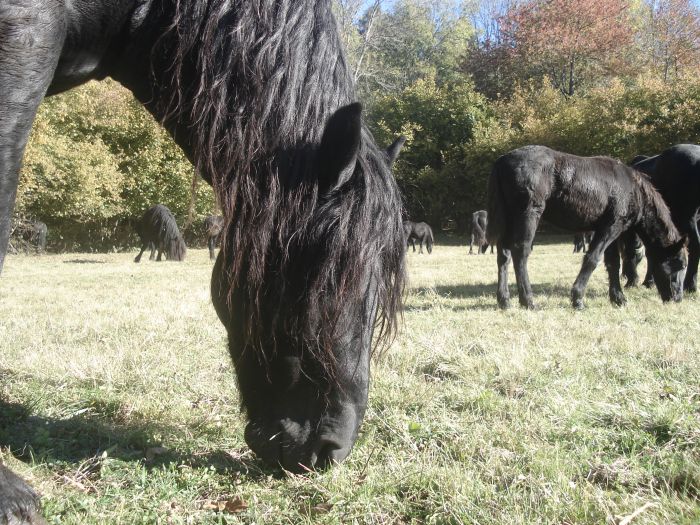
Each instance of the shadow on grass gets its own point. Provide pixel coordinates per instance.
(479, 290)
(73, 440)
(83, 261)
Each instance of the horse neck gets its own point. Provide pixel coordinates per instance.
(655, 226)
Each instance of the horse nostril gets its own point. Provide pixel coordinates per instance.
(329, 452)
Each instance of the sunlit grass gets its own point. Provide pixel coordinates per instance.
(119, 401)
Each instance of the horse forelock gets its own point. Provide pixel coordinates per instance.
(257, 80)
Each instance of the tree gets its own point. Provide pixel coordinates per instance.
(670, 35)
(567, 40)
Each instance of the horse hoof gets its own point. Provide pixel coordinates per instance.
(504, 304)
(691, 289)
(648, 284)
(578, 304)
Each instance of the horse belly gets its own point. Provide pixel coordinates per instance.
(575, 210)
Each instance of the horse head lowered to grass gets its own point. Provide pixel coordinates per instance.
(259, 96)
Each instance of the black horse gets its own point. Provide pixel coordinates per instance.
(675, 173)
(213, 226)
(260, 97)
(31, 233)
(158, 230)
(581, 241)
(480, 221)
(579, 193)
(418, 231)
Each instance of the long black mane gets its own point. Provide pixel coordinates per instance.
(260, 79)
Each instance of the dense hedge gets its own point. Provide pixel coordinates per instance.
(96, 159)
(455, 134)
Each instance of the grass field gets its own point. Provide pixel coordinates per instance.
(118, 402)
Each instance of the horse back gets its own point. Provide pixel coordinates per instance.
(571, 191)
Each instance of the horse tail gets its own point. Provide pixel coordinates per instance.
(496, 226)
(429, 240)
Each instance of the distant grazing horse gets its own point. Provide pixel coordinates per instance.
(675, 173)
(213, 225)
(480, 221)
(581, 240)
(33, 233)
(418, 231)
(579, 193)
(158, 229)
(260, 97)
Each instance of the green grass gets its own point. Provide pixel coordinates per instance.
(118, 401)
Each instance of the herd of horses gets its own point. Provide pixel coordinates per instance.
(311, 271)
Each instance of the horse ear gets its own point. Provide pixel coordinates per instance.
(340, 145)
(395, 148)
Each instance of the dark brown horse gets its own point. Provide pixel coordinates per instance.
(418, 231)
(480, 220)
(260, 97)
(675, 173)
(579, 193)
(158, 230)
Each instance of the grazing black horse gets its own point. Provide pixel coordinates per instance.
(418, 231)
(480, 221)
(158, 229)
(32, 232)
(581, 241)
(213, 225)
(675, 173)
(259, 96)
(579, 193)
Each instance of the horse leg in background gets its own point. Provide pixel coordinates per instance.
(601, 240)
(413, 244)
(212, 247)
(471, 242)
(612, 265)
(648, 281)
(523, 233)
(627, 247)
(161, 249)
(502, 260)
(31, 38)
(152, 247)
(690, 284)
(420, 244)
(143, 249)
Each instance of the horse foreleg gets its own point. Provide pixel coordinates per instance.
(420, 244)
(143, 249)
(599, 244)
(31, 37)
(471, 242)
(502, 260)
(612, 265)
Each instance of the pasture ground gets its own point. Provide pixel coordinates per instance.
(118, 402)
